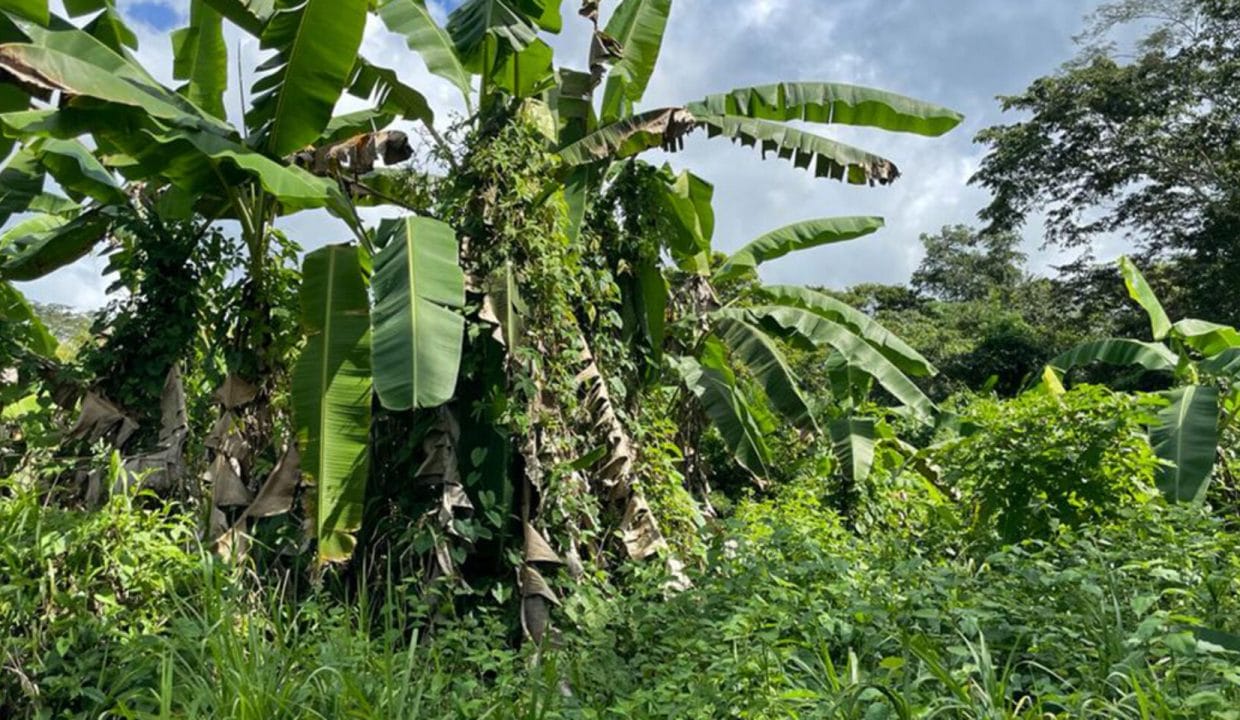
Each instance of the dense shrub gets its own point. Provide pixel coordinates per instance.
(81, 596)
(1026, 465)
(795, 616)
(800, 617)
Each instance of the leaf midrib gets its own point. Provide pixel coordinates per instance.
(323, 386)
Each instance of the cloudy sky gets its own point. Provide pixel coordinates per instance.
(958, 53)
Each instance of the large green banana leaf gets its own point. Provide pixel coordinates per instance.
(332, 392)
(638, 25)
(652, 297)
(383, 86)
(292, 186)
(822, 156)
(853, 441)
(79, 65)
(689, 201)
(714, 384)
(200, 59)
(831, 103)
(23, 323)
(12, 99)
(316, 42)
(665, 128)
(77, 170)
(110, 29)
(821, 332)
(1118, 351)
(1206, 338)
(525, 73)
(78, 8)
(1186, 436)
(572, 102)
(513, 23)
(1140, 291)
(1225, 364)
(249, 15)
(411, 19)
(44, 243)
(35, 10)
(201, 163)
(883, 340)
(418, 329)
(21, 181)
(754, 348)
(797, 236)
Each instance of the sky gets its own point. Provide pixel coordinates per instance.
(957, 53)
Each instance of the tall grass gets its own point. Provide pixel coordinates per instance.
(119, 613)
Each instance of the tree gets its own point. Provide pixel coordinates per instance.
(962, 264)
(1143, 144)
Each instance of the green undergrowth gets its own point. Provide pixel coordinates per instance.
(117, 613)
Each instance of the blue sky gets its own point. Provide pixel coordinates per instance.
(959, 53)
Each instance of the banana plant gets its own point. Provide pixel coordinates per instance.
(737, 368)
(286, 153)
(118, 141)
(1204, 360)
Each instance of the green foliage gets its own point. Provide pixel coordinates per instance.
(84, 594)
(174, 276)
(962, 265)
(1128, 138)
(1026, 466)
(332, 389)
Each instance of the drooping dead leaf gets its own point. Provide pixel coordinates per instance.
(235, 393)
(642, 537)
(223, 476)
(452, 500)
(100, 418)
(233, 543)
(537, 597)
(357, 155)
(173, 422)
(217, 524)
(163, 467)
(616, 468)
(440, 466)
(589, 10)
(441, 471)
(604, 50)
(276, 495)
(535, 617)
(226, 437)
(538, 549)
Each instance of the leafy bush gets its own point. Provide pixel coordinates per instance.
(78, 592)
(795, 615)
(798, 617)
(1026, 465)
